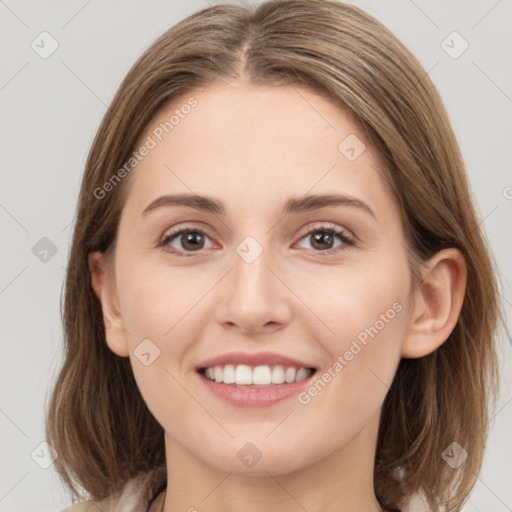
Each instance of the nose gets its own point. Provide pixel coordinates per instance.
(252, 297)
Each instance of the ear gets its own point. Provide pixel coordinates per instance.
(436, 304)
(102, 277)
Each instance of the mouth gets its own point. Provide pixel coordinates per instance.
(253, 384)
(261, 376)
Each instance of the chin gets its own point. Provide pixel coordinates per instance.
(261, 457)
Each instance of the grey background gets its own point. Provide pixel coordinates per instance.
(51, 109)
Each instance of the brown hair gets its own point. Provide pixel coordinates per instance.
(97, 420)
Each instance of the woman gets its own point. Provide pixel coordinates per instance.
(278, 294)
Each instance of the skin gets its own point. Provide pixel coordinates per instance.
(253, 147)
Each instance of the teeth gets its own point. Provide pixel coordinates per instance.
(261, 375)
(289, 374)
(264, 375)
(243, 374)
(278, 374)
(229, 374)
(302, 374)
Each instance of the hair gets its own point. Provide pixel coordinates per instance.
(97, 419)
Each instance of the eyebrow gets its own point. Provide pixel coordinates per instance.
(293, 205)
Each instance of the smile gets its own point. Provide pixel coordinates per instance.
(258, 376)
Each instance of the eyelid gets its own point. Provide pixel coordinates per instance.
(326, 225)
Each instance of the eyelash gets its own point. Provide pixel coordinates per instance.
(348, 241)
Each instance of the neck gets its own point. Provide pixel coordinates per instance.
(342, 481)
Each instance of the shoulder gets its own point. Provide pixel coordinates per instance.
(135, 496)
(83, 506)
(107, 505)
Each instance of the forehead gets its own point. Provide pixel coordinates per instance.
(244, 141)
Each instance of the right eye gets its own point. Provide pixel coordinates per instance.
(191, 240)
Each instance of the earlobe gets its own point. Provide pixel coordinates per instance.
(104, 288)
(437, 304)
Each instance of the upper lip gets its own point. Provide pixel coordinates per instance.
(255, 359)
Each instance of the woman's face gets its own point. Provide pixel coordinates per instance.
(293, 256)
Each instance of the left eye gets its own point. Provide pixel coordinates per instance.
(322, 239)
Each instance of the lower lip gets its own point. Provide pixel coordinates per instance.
(243, 396)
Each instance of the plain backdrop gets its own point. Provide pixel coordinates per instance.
(51, 108)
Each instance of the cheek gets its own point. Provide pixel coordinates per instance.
(366, 315)
(165, 311)
(155, 300)
(362, 302)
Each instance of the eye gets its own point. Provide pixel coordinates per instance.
(322, 239)
(190, 240)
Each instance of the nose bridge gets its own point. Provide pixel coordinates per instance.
(251, 277)
(252, 297)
